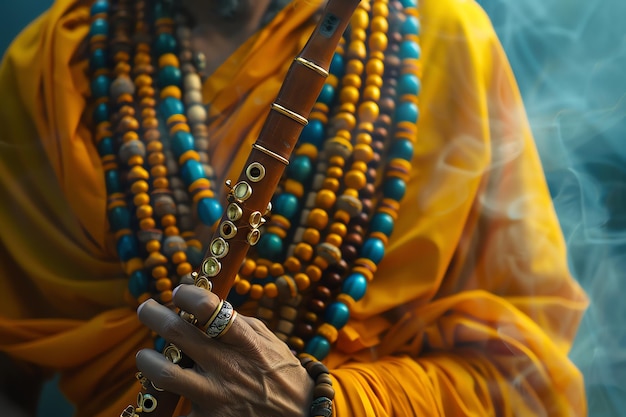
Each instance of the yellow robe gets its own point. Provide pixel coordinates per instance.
(472, 311)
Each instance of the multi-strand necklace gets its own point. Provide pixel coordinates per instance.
(336, 205)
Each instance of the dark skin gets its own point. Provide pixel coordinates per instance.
(248, 371)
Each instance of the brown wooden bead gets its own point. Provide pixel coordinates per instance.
(317, 305)
(324, 390)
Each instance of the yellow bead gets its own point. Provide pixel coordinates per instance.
(378, 41)
(334, 172)
(325, 199)
(154, 146)
(248, 267)
(294, 187)
(141, 199)
(334, 239)
(363, 152)
(363, 138)
(352, 80)
(379, 24)
(186, 156)
(199, 184)
(354, 66)
(168, 220)
(276, 269)
(243, 287)
(314, 272)
(166, 297)
(375, 80)
(380, 9)
(156, 158)
(344, 120)
(318, 219)
(270, 290)
(302, 281)
(179, 257)
(171, 231)
(328, 331)
(371, 92)
(311, 236)
(159, 272)
(171, 91)
(163, 284)
(357, 50)
(256, 291)
(168, 59)
(147, 223)
(349, 94)
(347, 300)
(292, 264)
(144, 297)
(144, 211)
(304, 251)
(360, 19)
(261, 272)
(359, 166)
(307, 149)
(339, 228)
(158, 171)
(368, 111)
(375, 66)
(161, 182)
(331, 184)
(153, 245)
(183, 269)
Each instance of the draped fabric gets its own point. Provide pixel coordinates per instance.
(472, 311)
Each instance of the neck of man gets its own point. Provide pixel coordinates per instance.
(219, 27)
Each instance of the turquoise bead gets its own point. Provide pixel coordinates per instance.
(382, 222)
(119, 218)
(355, 285)
(194, 256)
(407, 112)
(99, 27)
(373, 249)
(318, 346)
(313, 133)
(100, 86)
(411, 26)
(409, 3)
(105, 146)
(169, 75)
(159, 344)
(337, 314)
(327, 95)
(127, 248)
(285, 204)
(170, 106)
(337, 66)
(182, 142)
(112, 181)
(165, 43)
(401, 148)
(98, 59)
(191, 171)
(394, 188)
(100, 6)
(101, 113)
(209, 210)
(408, 84)
(300, 168)
(270, 246)
(409, 50)
(138, 283)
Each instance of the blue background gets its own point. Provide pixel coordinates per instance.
(569, 57)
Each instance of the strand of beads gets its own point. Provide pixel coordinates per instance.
(396, 173)
(118, 212)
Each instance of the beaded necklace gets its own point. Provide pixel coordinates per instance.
(334, 209)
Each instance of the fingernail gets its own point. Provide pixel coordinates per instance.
(175, 291)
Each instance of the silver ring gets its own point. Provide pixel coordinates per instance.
(222, 320)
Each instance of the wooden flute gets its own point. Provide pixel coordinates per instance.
(249, 197)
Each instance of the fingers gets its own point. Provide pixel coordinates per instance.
(172, 328)
(203, 305)
(172, 378)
